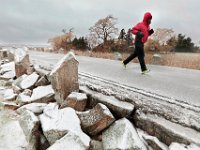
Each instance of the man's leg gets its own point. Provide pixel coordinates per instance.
(142, 62)
(141, 57)
(131, 57)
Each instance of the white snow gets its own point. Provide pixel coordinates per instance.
(42, 91)
(8, 67)
(20, 53)
(22, 98)
(72, 141)
(8, 75)
(7, 70)
(11, 134)
(177, 146)
(106, 110)
(29, 81)
(68, 56)
(60, 119)
(144, 136)
(78, 96)
(174, 128)
(57, 122)
(122, 135)
(7, 94)
(19, 80)
(34, 107)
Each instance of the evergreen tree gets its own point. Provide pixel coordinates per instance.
(184, 44)
(80, 43)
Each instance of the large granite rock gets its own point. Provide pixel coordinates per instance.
(96, 145)
(7, 71)
(18, 81)
(119, 108)
(36, 108)
(58, 122)
(24, 97)
(29, 81)
(122, 135)
(64, 77)
(178, 146)
(43, 94)
(8, 105)
(22, 62)
(7, 95)
(42, 81)
(11, 133)
(166, 131)
(30, 125)
(96, 120)
(152, 141)
(71, 141)
(78, 101)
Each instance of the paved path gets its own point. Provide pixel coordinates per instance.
(177, 83)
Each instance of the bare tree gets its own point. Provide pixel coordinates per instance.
(62, 41)
(162, 35)
(93, 40)
(105, 28)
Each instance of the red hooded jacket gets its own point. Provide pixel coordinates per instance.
(143, 27)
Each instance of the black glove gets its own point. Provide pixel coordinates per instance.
(151, 32)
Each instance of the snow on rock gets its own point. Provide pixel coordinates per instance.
(12, 137)
(40, 71)
(67, 57)
(95, 120)
(24, 97)
(7, 67)
(96, 145)
(71, 141)
(30, 125)
(42, 81)
(36, 108)
(120, 108)
(18, 81)
(177, 146)
(122, 135)
(9, 105)
(22, 62)
(43, 94)
(64, 77)
(57, 122)
(76, 100)
(8, 94)
(7, 71)
(44, 144)
(29, 81)
(165, 130)
(152, 141)
(7, 75)
(11, 133)
(20, 53)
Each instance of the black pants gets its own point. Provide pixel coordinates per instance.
(139, 52)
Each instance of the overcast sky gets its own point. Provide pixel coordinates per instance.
(35, 21)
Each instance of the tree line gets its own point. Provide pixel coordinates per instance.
(103, 37)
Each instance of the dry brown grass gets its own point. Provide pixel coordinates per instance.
(182, 60)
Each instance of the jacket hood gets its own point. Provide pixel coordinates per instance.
(146, 17)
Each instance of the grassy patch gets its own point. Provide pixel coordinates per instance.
(182, 60)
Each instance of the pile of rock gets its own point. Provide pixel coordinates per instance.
(55, 113)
